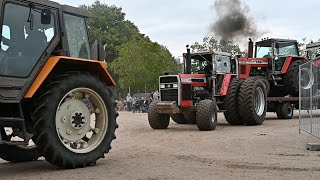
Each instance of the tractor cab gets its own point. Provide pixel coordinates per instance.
(312, 50)
(206, 61)
(277, 51)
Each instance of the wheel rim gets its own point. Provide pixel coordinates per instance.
(213, 117)
(81, 120)
(259, 101)
(289, 111)
(306, 78)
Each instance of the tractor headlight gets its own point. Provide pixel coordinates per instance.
(162, 86)
(175, 85)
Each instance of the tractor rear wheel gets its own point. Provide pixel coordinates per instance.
(291, 78)
(15, 153)
(190, 116)
(231, 114)
(178, 118)
(74, 120)
(206, 115)
(157, 120)
(252, 101)
(284, 110)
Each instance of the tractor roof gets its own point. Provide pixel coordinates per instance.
(313, 45)
(65, 8)
(268, 41)
(210, 52)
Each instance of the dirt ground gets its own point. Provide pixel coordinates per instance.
(274, 150)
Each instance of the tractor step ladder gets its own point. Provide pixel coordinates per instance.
(14, 122)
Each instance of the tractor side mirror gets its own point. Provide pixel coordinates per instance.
(46, 16)
(97, 51)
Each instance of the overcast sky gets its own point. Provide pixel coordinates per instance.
(176, 23)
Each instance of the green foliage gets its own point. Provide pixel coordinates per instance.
(108, 24)
(210, 43)
(140, 63)
(83, 51)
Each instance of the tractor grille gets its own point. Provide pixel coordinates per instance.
(169, 79)
(169, 90)
(169, 95)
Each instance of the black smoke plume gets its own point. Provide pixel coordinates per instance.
(233, 21)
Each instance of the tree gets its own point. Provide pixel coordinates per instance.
(210, 43)
(140, 63)
(108, 24)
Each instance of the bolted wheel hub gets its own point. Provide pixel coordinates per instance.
(77, 120)
(73, 119)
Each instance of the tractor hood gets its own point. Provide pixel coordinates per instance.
(193, 78)
(253, 60)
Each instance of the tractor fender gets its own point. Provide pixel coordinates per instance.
(226, 83)
(289, 60)
(64, 64)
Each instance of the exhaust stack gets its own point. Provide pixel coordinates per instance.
(188, 61)
(250, 48)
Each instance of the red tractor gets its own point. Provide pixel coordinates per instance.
(277, 62)
(209, 85)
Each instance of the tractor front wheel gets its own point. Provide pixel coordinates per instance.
(206, 115)
(157, 120)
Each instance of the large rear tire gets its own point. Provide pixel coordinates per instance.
(16, 154)
(206, 115)
(252, 101)
(231, 114)
(265, 82)
(291, 78)
(75, 120)
(178, 118)
(156, 120)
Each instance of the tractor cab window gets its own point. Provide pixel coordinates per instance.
(77, 36)
(264, 51)
(223, 63)
(201, 64)
(286, 49)
(313, 53)
(24, 39)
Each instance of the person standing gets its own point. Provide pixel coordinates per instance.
(129, 102)
(156, 96)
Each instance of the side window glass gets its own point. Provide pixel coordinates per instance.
(77, 36)
(6, 35)
(23, 40)
(223, 64)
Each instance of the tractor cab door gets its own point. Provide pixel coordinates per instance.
(282, 51)
(26, 43)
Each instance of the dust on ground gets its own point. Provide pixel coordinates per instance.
(274, 150)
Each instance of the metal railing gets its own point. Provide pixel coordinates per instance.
(309, 98)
